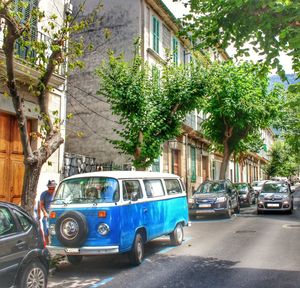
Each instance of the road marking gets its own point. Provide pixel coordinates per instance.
(166, 250)
(102, 282)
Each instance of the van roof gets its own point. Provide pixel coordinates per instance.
(125, 174)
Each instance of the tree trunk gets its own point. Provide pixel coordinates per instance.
(31, 178)
(225, 161)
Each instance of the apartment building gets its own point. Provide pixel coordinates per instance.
(11, 154)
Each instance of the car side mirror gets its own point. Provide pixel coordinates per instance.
(134, 196)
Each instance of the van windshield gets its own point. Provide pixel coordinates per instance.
(87, 190)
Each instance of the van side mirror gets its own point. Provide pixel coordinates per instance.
(134, 196)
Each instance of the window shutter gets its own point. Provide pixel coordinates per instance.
(155, 34)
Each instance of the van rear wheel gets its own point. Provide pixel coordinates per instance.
(136, 254)
(176, 236)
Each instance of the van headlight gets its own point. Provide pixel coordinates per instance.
(103, 229)
(52, 230)
(221, 200)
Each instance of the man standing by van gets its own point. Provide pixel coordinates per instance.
(45, 201)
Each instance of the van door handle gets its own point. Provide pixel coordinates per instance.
(145, 210)
(20, 244)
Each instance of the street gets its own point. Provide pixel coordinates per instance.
(248, 250)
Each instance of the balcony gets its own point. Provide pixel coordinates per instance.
(25, 72)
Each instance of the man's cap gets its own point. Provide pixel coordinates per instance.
(51, 183)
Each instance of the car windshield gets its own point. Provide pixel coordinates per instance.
(210, 187)
(87, 190)
(242, 188)
(258, 183)
(275, 188)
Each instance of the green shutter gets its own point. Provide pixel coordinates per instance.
(25, 13)
(193, 164)
(155, 34)
(175, 50)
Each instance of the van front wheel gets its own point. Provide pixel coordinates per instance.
(136, 254)
(176, 236)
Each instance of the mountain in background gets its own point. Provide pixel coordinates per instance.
(291, 80)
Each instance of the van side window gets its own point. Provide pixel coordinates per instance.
(130, 186)
(173, 186)
(153, 188)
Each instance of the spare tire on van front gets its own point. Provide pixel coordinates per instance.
(71, 229)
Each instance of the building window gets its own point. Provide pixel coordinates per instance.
(24, 9)
(155, 31)
(166, 40)
(156, 165)
(193, 164)
(175, 50)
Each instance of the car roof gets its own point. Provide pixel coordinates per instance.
(12, 205)
(125, 175)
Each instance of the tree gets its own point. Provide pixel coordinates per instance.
(151, 104)
(270, 26)
(282, 162)
(239, 105)
(290, 124)
(21, 18)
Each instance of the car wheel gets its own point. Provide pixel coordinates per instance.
(136, 254)
(260, 212)
(75, 259)
(237, 208)
(33, 275)
(176, 236)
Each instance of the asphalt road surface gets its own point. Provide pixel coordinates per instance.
(248, 250)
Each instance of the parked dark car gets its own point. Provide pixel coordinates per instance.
(257, 186)
(246, 193)
(214, 197)
(24, 259)
(275, 196)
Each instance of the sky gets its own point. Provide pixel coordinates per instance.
(178, 9)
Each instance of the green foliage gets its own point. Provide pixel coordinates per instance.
(238, 97)
(290, 123)
(151, 103)
(270, 26)
(239, 105)
(283, 163)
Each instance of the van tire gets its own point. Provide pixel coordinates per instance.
(136, 255)
(75, 259)
(80, 220)
(176, 236)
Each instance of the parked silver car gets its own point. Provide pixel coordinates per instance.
(257, 186)
(275, 196)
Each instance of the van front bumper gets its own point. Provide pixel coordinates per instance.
(95, 250)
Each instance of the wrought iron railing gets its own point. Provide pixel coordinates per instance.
(25, 52)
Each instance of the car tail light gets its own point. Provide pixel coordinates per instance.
(53, 215)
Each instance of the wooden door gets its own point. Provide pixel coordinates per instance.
(11, 159)
(4, 156)
(176, 162)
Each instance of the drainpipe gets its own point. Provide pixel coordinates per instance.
(186, 163)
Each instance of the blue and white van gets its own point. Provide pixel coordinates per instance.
(116, 212)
